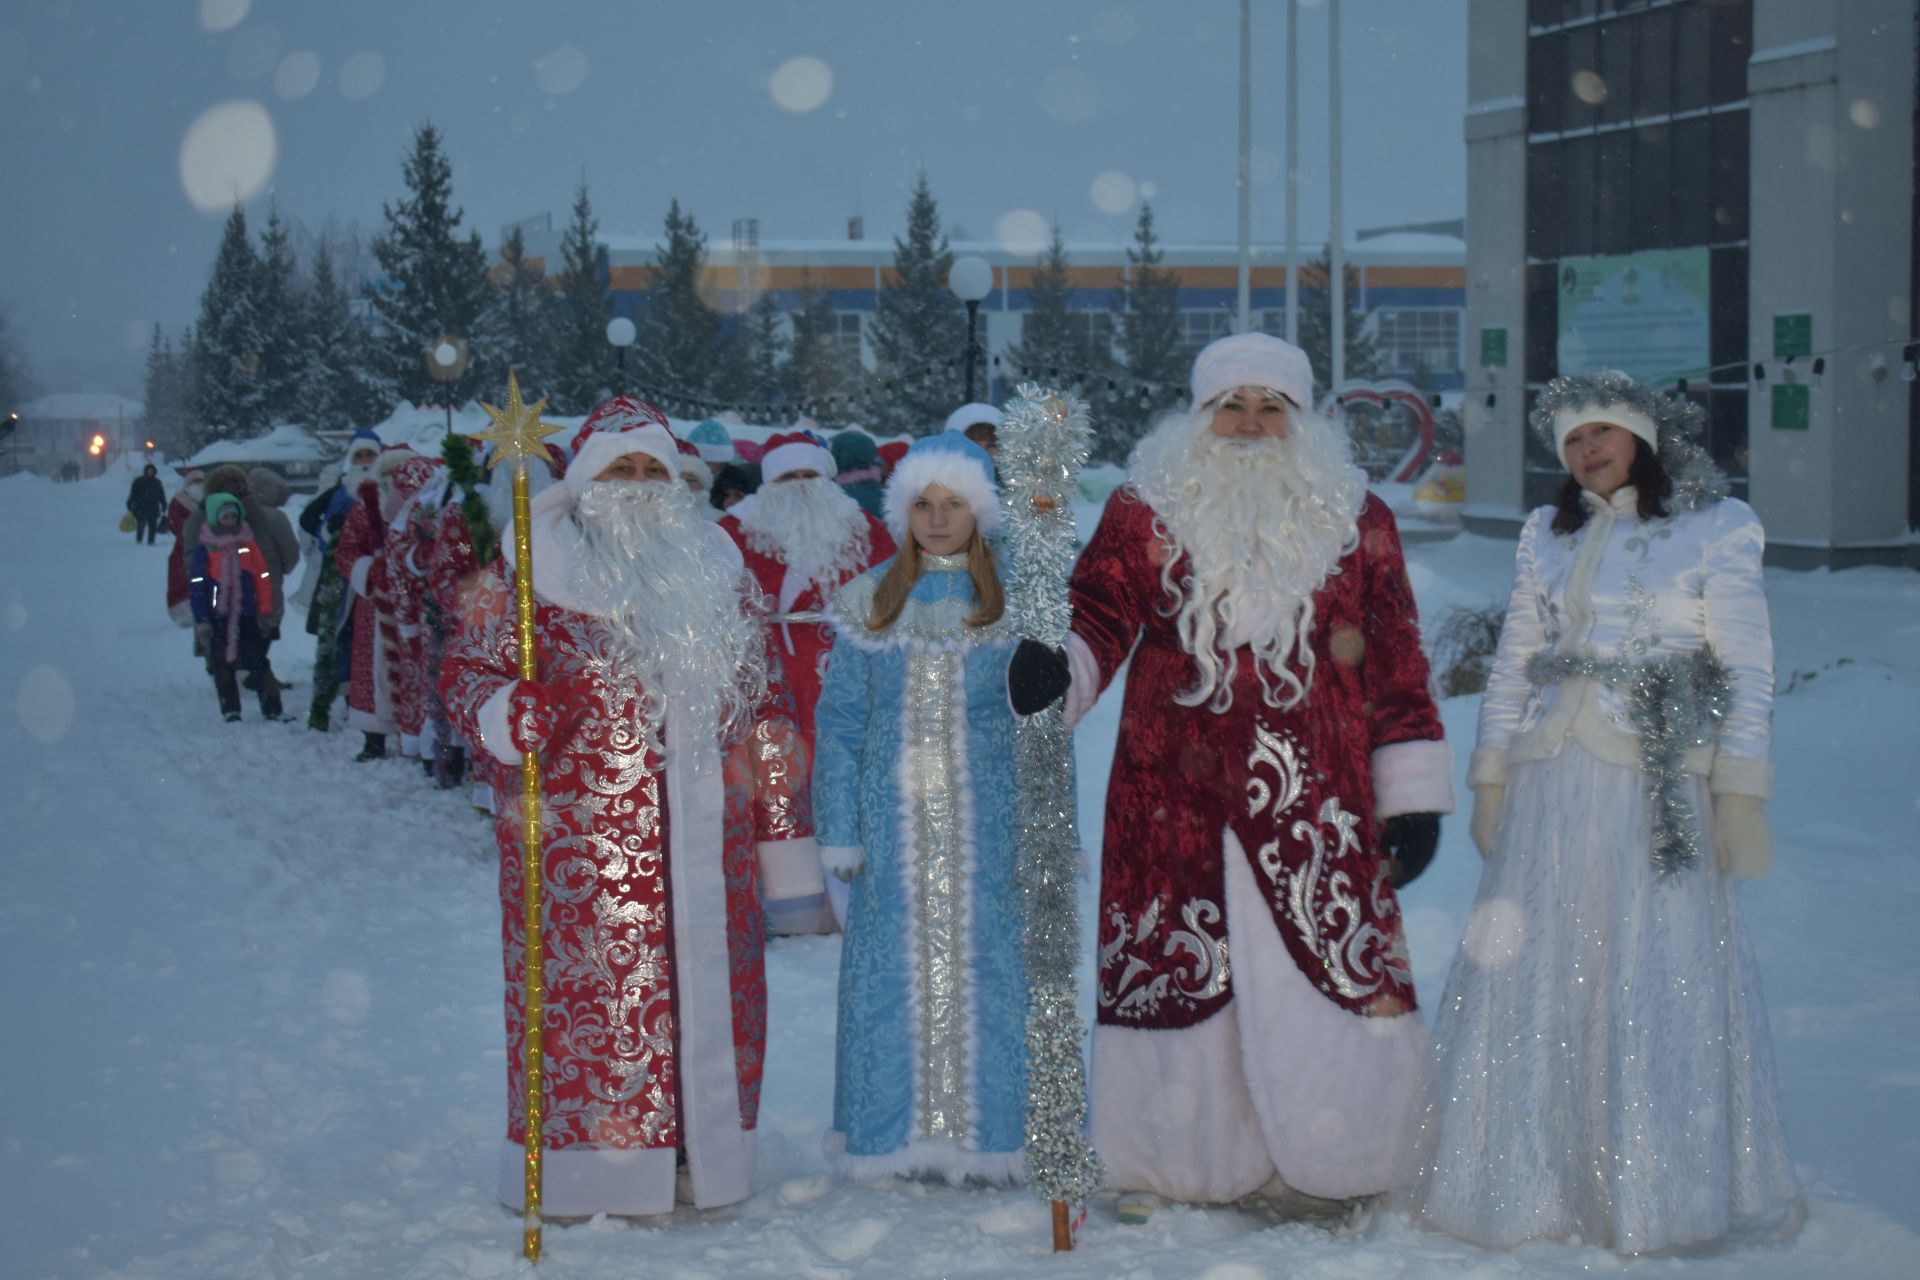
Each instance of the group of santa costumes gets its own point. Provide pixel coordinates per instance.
(723, 714)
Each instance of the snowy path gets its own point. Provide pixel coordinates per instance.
(255, 1027)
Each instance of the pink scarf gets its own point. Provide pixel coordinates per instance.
(226, 595)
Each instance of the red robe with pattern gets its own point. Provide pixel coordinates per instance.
(363, 567)
(456, 587)
(1259, 823)
(179, 607)
(655, 1033)
(410, 551)
(803, 646)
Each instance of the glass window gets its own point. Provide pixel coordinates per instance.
(1731, 39)
(1615, 66)
(1688, 215)
(1653, 63)
(1727, 430)
(1418, 340)
(1544, 199)
(1583, 60)
(1650, 184)
(1543, 322)
(1727, 183)
(1198, 328)
(1727, 314)
(1547, 83)
(1576, 196)
(846, 334)
(1614, 191)
(1690, 51)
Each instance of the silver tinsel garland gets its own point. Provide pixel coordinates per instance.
(1682, 426)
(1676, 703)
(1042, 445)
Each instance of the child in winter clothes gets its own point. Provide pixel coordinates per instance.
(232, 590)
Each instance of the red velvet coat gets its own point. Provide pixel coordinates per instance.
(802, 647)
(177, 586)
(614, 1028)
(369, 692)
(1295, 786)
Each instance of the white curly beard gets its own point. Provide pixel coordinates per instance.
(1263, 524)
(670, 598)
(813, 527)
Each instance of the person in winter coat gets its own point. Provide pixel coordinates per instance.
(734, 483)
(179, 510)
(1602, 1066)
(231, 591)
(267, 492)
(146, 500)
(322, 520)
(857, 469)
(914, 803)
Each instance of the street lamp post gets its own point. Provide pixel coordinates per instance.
(971, 279)
(621, 333)
(446, 361)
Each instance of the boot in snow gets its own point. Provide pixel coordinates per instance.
(376, 748)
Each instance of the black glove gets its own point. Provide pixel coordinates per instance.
(1037, 677)
(1407, 842)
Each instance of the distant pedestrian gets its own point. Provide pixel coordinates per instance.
(146, 501)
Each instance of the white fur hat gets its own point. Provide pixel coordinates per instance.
(621, 426)
(1252, 360)
(951, 461)
(795, 451)
(1618, 414)
(968, 415)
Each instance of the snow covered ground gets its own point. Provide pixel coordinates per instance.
(252, 1005)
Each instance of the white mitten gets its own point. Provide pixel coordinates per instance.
(1740, 836)
(1486, 815)
(843, 861)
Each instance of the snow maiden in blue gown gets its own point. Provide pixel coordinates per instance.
(1602, 1069)
(913, 787)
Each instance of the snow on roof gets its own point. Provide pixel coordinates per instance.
(88, 406)
(285, 443)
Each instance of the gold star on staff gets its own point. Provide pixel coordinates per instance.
(517, 429)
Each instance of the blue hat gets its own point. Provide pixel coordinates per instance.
(712, 440)
(364, 433)
(951, 461)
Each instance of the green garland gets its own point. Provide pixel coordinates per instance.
(465, 472)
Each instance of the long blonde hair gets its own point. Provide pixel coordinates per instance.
(890, 596)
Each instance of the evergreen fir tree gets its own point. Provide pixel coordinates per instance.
(1147, 333)
(513, 331)
(582, 367)
(16, 376)
(229, 391)
(919, 330)
(282, 359)
(333, 390)
(1316, 323)
(819, 376)
(754, 358)
(1049, 337)
(680, 345)
(434, 283)
(166, 395)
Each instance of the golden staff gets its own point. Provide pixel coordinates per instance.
(517, 433)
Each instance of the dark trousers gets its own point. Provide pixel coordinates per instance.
(250, 656)
(145, 529)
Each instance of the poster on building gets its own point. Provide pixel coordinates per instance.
(1645, 314)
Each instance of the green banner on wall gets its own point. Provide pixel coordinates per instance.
(1645, 314)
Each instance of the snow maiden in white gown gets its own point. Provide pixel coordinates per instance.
(1602, 1068)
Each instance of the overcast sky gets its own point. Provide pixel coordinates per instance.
(120, 119)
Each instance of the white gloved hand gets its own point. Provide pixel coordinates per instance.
(843, 861)
(1487, 799)
(1741, 837)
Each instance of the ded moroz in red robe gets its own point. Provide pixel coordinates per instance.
(1296, 1048)
(656, 1002)
(360, 558)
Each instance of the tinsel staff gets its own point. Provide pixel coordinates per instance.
(1042, 445)
(516, 434)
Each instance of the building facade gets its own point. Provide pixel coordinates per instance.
(1718, 197)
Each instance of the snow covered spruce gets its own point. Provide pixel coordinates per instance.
(1603, 1067)
(663, 766)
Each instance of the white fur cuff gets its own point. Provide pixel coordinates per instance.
(843, 861)
(1412, 777)
(790, 869)
(357, 577)
(1487, 767)
(1741, 776)
(496, 730)
(1084, 675)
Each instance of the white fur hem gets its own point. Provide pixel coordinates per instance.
(357, 576)
(579, 1181)
(1083, 670)
(1487, 767)
(790, 869)
(843, 860)
(939, 1158)
(1412, 777)
(1741, 776)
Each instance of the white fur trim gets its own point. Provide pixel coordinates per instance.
(1334, 1090)
(843, 860)
(600, 448)
(1083, 670)
(1487, 767)
(1252, 360)
(1618, 415)
(1412, 777)
(963, 476)
(391, 460)
(1741, 776)
(970, 415)
(798, 456)
(696, 467)
(357, 576)
(496, 725)
(790, 869)
(940, 1158)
